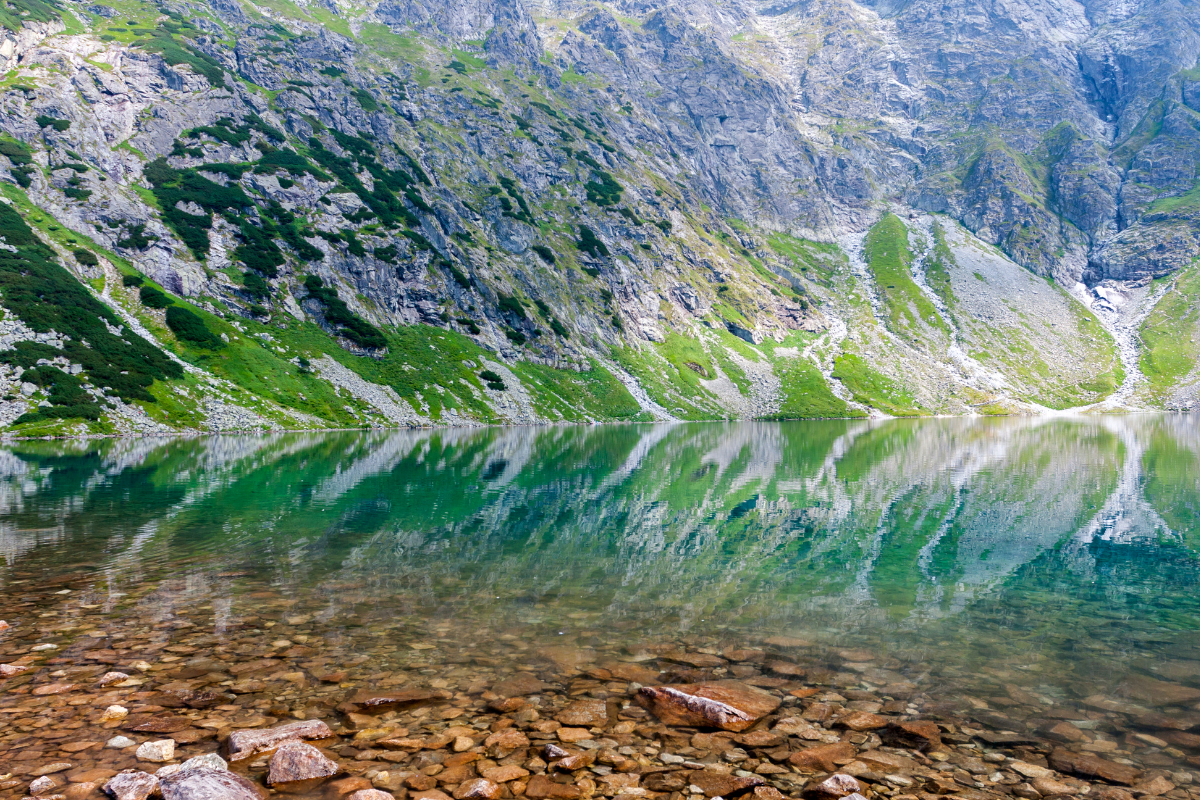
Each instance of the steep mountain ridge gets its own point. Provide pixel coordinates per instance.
(413, 213)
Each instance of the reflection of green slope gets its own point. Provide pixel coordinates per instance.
(1172, 485)
(912, 522)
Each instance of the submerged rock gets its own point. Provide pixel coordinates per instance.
(1089, 766)
(299, 767)
(132, 785)
(208, 784)
(728, 705)
(244, 744)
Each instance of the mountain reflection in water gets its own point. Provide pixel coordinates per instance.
(1065, 549)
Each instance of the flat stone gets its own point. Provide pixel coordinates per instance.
(862, 721)
(913, 734)
(373, 701)
(835, 786)
(1030, 770)
(721, 784)
(120, 742)
(477, 789)
(156, 723)
(504, 774)
(823, 758)
(728, 705)
(1048, 787)
(109, 678)
(131, 785)
(42, 785)
(298, 767)
(9, 670)
(246, 743)
(371, 794)
(508, 739)
(114, 714)
(572, 735)
(79, 791)
(162, 750)
(542, 788)
(53, 688)
(521, 684)
(79, 747)
(584, 713)
(1156, 692)
(771, 738)
(430, 794)
(50, 769)
(208, 784)
(1153, 787)
(1089, 766)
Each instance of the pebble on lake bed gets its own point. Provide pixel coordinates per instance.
(160, 751)
(298, 767)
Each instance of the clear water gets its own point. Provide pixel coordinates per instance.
(975, 560)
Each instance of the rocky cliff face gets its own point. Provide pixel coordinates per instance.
(409, 212)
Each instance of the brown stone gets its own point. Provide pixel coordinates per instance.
(575, 761)
(759, 739)
(1183, 739)
(584, 713)
(1048, 787)
(504, 774)
(371, 794)
(1156, 692)
(617, 781)
(298, 767)
(571, 735)
(79, 747)
(1154, 787)
(666, 781)
(1065, 732)
(632, 672)
(823, 758)
(1090, 766)
(455, 775)
(786, 668)
(508, 739)
(131, 785)
(766, 793)
(915, 734)
(477, 789)
(430, 794)
(53, 688)
(523, 683)
(698, 660)
(542, 788)
(156, 723)
(50, 769)
(345, 786)
(835, 786)
(247, 743)
(862, 721)
(97, 775)
(742, 654)
(728, 705)
(886, 762)
(721, 784)
(79, 791)
(373, 701)
(420, 783)
(207, 784)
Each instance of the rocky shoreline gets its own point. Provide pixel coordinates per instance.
(282, 704)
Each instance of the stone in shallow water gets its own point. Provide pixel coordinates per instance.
(721, 784)
(299, 767)
(823, 758)
(504, 774)
(162, 750)
(110, 678)
(521, 684)
(584, 713)
(915, 734)
(247, 743)
(542, 788)
(208, 784)
(373, 701)
(132, 785)
(206, 761)
(477, 789)
(835, 786)
(120, 742)
(9, 670)
(1156, 692)
(862, 721)
(371, 794)
(157, 723)
(1089, 766)
(728, 705)
(42, 785)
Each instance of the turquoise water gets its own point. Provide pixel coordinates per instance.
(970, 560)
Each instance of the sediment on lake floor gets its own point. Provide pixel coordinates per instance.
(188, 699)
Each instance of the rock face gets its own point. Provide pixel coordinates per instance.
(132, 785)
(727, 705)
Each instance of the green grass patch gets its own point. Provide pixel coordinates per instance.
(910, 312)
(873, 389)
(576, 396)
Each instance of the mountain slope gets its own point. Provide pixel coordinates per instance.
(344, 215)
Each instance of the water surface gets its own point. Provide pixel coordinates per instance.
(993, 566)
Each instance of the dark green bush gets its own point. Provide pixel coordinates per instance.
(59, 125)
(459, 276)
(257, 251)
(153, 298)
(337, 313)
(131, 280)
(189, 327)
(75, 193)
(255, 286)
(365, 99)
(589, 243)
(85, 257)
(511, 304)
(559, 328)
(605, 192)
(545, 252)
(135, 237)
(515, 336)
(16, 152)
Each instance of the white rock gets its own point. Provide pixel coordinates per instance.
(206, 761)
(162, 750)
(42, 785)
(114, 713)
(169, 769)
(120, 742)
(112, 677)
